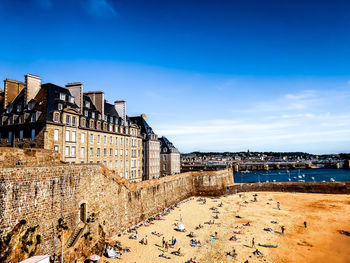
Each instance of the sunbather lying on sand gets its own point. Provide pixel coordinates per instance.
(157, 234)
(164, 256)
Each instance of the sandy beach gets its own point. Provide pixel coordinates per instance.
(325, 239)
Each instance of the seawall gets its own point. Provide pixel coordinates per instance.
(49, 200)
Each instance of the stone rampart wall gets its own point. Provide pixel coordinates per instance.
(301, 187)
(43, 195)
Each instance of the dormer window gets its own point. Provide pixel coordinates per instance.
(99, 116)
(93, 115)
(71, 100)
(106, 117)
(31, 105)
(111, 119)
(8, 109)
(33, 117)
(87, 104)
(19, 107)
(62, 96)
(60, 106)
(86, 113)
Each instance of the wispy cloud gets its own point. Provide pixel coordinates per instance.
(99, 8)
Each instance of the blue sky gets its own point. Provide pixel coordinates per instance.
(210, 75)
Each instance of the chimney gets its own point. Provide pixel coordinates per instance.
(120, 107)
(33, 85)
(76, 89)
(143, 116)
(98, 99)
(11, 89)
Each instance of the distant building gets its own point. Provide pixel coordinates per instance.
(151, 149)
(169, 158)
(82, 127)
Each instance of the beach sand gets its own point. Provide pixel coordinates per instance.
(322, 241)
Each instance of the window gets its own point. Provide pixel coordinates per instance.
(164, 166)
(104, 152)
(10, 136)
(121, 164)
(98, 138)
(55, 148)
(83, 122)
(71, 100)
(121, 152)
(104, 163)
(67, 119)
(82, 138)
(98, 152)
(33, 135)
(67, 151)
(99, 116)
(121, 141)
(106, 118)
(121, 174)
(73, 136)
(105, 139)
(110, 140)
(56, 117)
(19, 107)
(91, 138)
(60, 106)
(164, 157)
(93, 115)
(110, 164)
(116, 140)
(126, 141)
(110, 128)
(116, 164)
(110, 152)
(74, 120)
(116, 152)
(91, 152)
(55, 134)
(86, 113)
(62, 96)
(82, 152)
(87, 104)
(21, 119)
(72, 151)
(67, 136)
(126, 152)
(21, 135)
(33, 117)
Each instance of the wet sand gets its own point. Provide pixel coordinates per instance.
(322, 241)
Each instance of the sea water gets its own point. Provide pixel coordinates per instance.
(295, 175)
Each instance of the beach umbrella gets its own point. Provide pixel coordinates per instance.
(181, 227)
(94, 257)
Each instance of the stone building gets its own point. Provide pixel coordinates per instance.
(81, 127)
(151, 149)
(169, 158)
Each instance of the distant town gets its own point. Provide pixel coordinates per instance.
(261, 160)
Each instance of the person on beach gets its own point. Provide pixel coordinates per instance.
(146, 240)
(305, 224)
(282, 229)
(278, 206)
(253, 242)
(163, 242)
(166, 246)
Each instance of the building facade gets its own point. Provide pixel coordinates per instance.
(169, 158)
(82, 127)
(151, 149)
